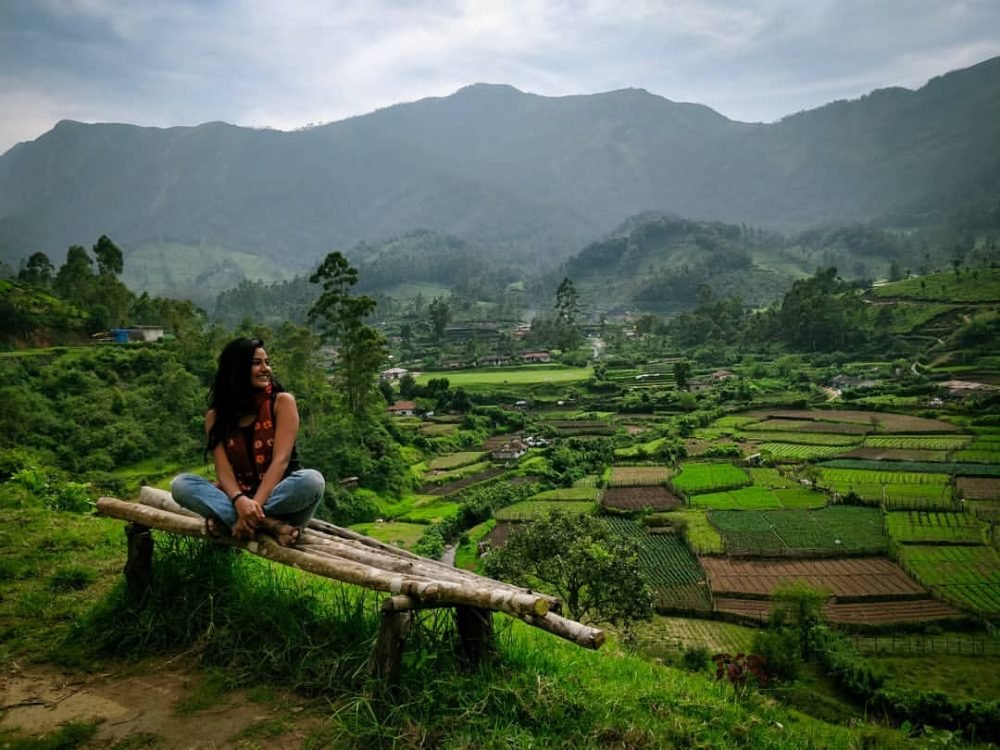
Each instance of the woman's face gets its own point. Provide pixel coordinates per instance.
(260, 369)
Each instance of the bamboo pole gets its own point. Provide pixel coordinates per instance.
(514, 603)
(570, 630)
(314, 541)
(322, 532)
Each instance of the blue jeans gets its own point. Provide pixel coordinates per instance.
(294, 500)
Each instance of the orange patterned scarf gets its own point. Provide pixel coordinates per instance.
(251, 462)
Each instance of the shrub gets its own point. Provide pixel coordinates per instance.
(779, 648)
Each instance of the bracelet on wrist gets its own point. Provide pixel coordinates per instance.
(236, 497)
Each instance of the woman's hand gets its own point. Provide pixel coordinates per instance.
(250, 515)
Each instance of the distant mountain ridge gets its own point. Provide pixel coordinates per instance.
(528, 177)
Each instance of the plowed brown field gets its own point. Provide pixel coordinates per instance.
(857, 577)
(638, 498)
(875, 613)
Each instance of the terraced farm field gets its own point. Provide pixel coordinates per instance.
(833, 531)
(967, 576)
(758, 498)
(917, 442)
(914, 527)
(876, 612)
(880, 422)
(677, 578)
(896, 490)
(805, 426)
(638, 476)
(977, 488)
(796, 452)
(771, 478)
(857, 577)
(639, 498)
(708, 477)
(528, 510)
(701, 536)
(803, 438)
(895, 454)
(669, 634)
(455, 460)
(569, 493)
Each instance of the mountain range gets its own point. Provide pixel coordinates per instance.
(529, 178)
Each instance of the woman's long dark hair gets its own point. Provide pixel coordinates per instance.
(232, 396)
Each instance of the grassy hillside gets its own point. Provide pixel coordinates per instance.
(195, 272)
(63, 602)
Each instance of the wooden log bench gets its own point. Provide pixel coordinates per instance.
(412, 582)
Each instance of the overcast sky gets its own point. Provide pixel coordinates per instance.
(289, 63)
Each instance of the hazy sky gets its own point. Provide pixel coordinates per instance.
(288, 63)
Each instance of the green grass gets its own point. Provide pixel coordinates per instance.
(569, 493)
(528, 375)
(961, 677)
(770, 478)
(528, 510)
(392, 532)
(945, 287)
(442, 477)
(467, 554)
(698, 532)
(665, 636)
(455, 460)
(251, 623)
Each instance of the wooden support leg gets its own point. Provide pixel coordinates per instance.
(475, 633)
(139, 564)
(387, 655)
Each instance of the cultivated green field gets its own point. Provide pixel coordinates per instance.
(706, 477)
(528, 510)
(488, 377)
(968, 576)
(759, 498)
(915, 527)
(777, 533)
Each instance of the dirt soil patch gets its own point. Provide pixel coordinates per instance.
(638, 498)
(141, 708)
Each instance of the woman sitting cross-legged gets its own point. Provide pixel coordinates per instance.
(251, 427)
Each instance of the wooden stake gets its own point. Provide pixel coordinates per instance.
(385, 662)
(138, 564)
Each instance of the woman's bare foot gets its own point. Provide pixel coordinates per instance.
(285, 534)
(215, 528)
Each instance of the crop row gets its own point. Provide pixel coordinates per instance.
(804, 438)
(759, 498)
(800, 452)
(916, 468)
(638, 476)
(967, 575)
(917, 442)
(917, 527)
(836, 473)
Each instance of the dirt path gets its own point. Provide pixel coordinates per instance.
(144, 706)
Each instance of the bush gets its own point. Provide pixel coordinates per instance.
(695, 658)
(780, 649)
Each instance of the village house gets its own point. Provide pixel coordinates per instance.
(509, 451)
(492, 360)
(403, 409)
(536, 357)
(393, 373)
